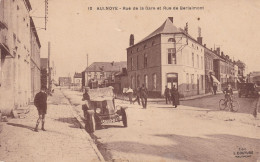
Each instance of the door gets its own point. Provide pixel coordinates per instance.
(172, 79)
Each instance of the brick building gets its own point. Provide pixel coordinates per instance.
(168, 56)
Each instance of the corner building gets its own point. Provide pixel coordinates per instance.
(168, 56)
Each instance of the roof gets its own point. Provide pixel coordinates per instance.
(106, 66)
(28, 5)
(44, 63)
(77, 75)
(166, 27)
(35, 32)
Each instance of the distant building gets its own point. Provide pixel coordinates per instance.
(64, 81)
(121, 81)
(77, 81)
(44, 63)
(102, 73)
(168, 56)
(241, 70)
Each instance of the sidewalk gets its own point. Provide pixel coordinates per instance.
(63, 141)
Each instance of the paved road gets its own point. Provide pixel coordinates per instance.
(63, 141)
(212, 102)
(163, 133)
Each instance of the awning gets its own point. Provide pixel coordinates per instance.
(5, 49)
(215, 80)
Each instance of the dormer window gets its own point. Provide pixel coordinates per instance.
(171, 40)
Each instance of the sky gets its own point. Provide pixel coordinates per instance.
(74, 31)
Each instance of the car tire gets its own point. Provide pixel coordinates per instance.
(124, 117)
(90, 124)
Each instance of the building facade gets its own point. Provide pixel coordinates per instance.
(168, 56)
(15, 43)
(77, 81)
(35, 61)
(102, 73)
(65, 81)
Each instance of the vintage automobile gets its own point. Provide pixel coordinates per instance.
(101, 108)
(246, 89)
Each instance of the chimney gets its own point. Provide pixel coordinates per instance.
(222, 54)
(205, 45)
(132, 40)
(199, 39)
(171, 18)
(218, 50)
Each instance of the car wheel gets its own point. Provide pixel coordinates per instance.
(124, 117)
(90, 124)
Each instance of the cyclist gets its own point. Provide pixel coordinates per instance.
(228, 96)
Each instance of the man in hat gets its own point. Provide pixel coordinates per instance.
(40, 101)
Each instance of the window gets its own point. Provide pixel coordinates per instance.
(146, 81)
(144, 46)
(154, 81)
(132, 64)
(193, 59)
(202, 85)
(138, 80)
(201, 58)
(198, 62)
(137, 62)
(171, 40)
(132, 81)
(172, 56)
(137, 49)
(145, 60)
(187, 82)
(192, 81)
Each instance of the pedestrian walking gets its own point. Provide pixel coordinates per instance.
(130, 94)
(137, 93)
(167, 95)
(215, 87)
(40, 101)
(256, 105)
(143, 95)
(175, 96)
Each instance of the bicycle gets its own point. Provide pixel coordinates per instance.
(224, 103)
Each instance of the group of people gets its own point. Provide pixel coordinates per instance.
(141, 94)
(172, 95)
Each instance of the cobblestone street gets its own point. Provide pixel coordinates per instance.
(187, 133)
(63, 140)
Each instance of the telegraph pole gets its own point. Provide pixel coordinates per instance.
(49, 68)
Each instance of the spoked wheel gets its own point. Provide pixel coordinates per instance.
(235, 106)
(222, 104)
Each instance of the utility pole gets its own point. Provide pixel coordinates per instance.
(46, 13)
(86, 73)
(49, 68)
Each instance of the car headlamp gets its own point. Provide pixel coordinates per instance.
(98, 110)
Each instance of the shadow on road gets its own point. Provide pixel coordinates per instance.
(21, 126)
(217, 147)
(70, 120)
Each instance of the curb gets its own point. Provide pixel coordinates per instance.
(93, 145)
(81, 122)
